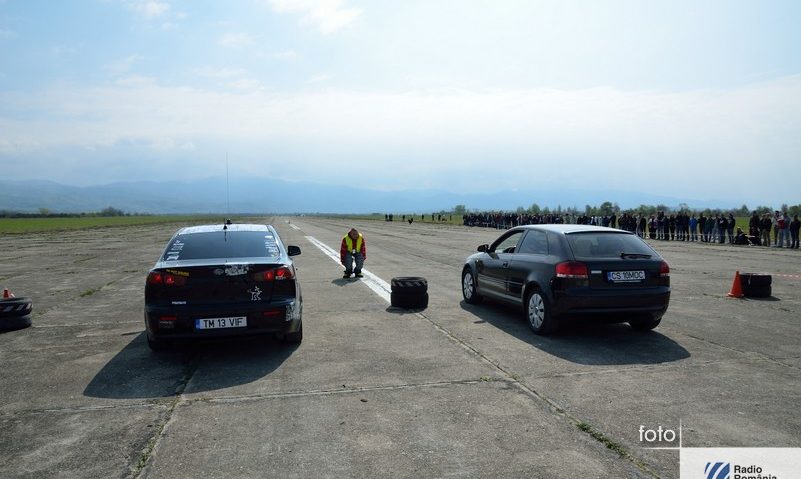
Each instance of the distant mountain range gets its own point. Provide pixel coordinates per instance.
(266, 195)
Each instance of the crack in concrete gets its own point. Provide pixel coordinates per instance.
(753, 353)
(344, 390)
(531, 392)
(136, 470)
(78, 409)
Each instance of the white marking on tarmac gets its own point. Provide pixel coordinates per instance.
(378, 285)
(293, 226)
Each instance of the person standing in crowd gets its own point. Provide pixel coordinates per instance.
(785, 229)
(702, 227)
(730, 228)
(693, 225)
(753, 226)
(613, 221)
(780, 226)
(776, 217)
(671, 222)
(353, 249)
(764, 229)
(794, 226)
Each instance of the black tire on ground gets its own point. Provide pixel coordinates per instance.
(469, 291)
(409, 284)
(644, 324)
(756, 285)
(758, 291)
(755, 279)
(294, 338)
(14, 323)
(157, 344)
(409, 301)
(14, 307)
(537, 311)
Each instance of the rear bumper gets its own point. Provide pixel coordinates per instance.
(587, 302)
(276, 317)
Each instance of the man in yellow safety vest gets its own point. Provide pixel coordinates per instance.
(353, 249)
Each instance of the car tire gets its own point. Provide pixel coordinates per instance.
(157, 344)
(645, 324)
(409, 285)
(538, 313)
(756, 285)
(14, 323)
(15, 307)
(469, 287)
(409, 292)
(409, 301)
(295, 337)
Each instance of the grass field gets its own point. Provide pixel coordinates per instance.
(36, 225)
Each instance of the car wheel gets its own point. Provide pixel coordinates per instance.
(157, 344)
(469, 287)
(538, 313)
(645, 324)
(294, 338)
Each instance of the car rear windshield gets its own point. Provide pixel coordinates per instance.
(607, 245)
(219, 244)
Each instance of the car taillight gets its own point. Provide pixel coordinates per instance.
(283, 273)
(167, 279)
(664, 270)
(168, 318)
(572, 269)
(278, 274)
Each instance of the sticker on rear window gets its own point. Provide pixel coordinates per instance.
(237, 269)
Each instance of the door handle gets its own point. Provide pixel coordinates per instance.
(505, 264)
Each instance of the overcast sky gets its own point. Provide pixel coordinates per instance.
(696, 99)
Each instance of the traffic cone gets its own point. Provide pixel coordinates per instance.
(736, 287)
(7, 294)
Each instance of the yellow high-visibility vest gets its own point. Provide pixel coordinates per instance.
(349, 243)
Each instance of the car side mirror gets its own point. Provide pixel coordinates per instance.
(483, 248)
(292, 250)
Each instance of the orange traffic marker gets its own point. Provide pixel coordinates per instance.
(736, 287)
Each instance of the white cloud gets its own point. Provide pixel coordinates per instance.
(222, 73)
(122, 66)
(245, 84)
(327, 16)
(149, 8)
(235, 40)
(286, 55)
(320, 78)
(690, 142)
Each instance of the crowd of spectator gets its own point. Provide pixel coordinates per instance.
(682, 226)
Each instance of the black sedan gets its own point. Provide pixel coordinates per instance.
(223, 280)
(556, 272)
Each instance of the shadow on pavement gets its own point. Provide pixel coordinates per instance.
(137, 372)
(584, 341)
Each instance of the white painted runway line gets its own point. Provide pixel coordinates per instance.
(294, 227)
(378, 285)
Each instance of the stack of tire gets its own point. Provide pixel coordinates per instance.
(756, 285)
(409, 292)
(15, 313)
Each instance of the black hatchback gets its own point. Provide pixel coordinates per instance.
(223, 280)
(555, 272)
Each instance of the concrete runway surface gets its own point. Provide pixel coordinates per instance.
(455, 390)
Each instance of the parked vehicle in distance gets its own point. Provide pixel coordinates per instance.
(223, 280)
(556, 272)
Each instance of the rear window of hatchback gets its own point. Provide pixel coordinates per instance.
(595, 245)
